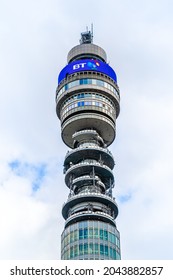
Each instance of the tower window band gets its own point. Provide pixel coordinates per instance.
(81, 82)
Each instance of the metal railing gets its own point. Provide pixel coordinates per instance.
(90, 146)
(88, 194)
(87, 163)
(90, 212)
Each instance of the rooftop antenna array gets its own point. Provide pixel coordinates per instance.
(87, 36)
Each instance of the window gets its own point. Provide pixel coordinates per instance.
(100, 83)
(76, 83)
(118, 256)
(75, 235)
(75, 250)
(85, 248)
(114, 254)
(73, 84)
(106, 250)
(94, 82)
(66, 255)
(88, 81)
(111, 252)
(117, 242)
(101, 249)
(96, 248)
(71, 252)
(113, 238)
(81, 235)
(85, 224)
(105, 235)
(80, 249)
(87, 95)
(101, 234)
(85, 233)
(81, 95)
(68, 238)
(110, 237)
(80, 103)
(90, 248)
(90, 232)
(95, 232)
(71, 237)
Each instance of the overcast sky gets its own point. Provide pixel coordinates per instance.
(35, 37)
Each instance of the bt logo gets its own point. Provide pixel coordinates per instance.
(90, 64)
(80, 65)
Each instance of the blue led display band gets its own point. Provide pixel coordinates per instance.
(87, 65)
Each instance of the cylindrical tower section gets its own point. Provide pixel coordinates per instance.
(87, 104)
(84, 51)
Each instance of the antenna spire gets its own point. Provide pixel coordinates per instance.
(87, 36)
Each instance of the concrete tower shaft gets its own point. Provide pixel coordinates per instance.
(87, 104)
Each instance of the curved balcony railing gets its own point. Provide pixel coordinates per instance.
(84, 147)
(86, 131)
(89, 212)
(109, 206)
(88, 194)
(87, 163)
(93, 115)
(104, 171)
(88, 178)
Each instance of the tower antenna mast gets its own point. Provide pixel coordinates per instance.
(87, 36)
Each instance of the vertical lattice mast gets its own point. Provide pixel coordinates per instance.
(87, 104)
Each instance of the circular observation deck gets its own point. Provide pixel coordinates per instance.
(84, 51)
(88, 136)
(90, 152)
(93, 183)
(102, 124)
(89, 215)
(84, 168)
(88, 197)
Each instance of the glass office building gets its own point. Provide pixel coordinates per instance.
(87, 104)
